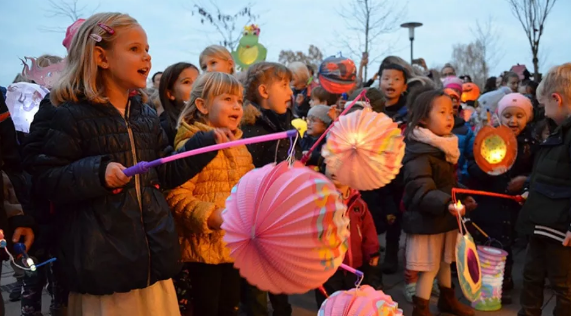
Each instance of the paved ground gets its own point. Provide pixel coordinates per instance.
(304, 305)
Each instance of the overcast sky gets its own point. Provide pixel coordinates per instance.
(176, 35)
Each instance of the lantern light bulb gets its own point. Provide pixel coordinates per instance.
(458, 205)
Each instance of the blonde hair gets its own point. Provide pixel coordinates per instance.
(557, 80)
(216, 51)
(81, 77)
(299, 71)
(208, 86)
(48, 60)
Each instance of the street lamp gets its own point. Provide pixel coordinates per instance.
(411, 26)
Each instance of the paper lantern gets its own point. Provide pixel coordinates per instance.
(364, 150)
(23, 101)
(467, 263)
(493, 261)
(362, 301)
(300, 125)
(495, 149)
(286, 228)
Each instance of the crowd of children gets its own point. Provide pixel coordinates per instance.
(152, 244)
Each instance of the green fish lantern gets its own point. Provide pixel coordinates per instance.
(249, 51)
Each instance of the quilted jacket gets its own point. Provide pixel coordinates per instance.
(113, 241)
(193, 202)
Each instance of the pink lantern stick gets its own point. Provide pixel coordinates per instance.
(305, 158)
(352, 270)
(144, 166)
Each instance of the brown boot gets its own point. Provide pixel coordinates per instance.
(420, 307)
(448, 303)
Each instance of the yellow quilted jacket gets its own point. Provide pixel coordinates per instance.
(193, 202)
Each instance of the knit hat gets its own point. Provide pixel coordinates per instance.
(470, 92)
(517, 100)
(71, 30)
(375, 96)
(452, 93)
(489, 100)
(337, 74)
(453, 82)
(321, 112)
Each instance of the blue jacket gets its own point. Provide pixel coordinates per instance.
(3, 91)
(466, 137)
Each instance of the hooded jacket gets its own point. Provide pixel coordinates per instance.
(193, 202)
(364, 242)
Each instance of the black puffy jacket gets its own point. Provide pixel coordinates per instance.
(429, 180)
(123, 241)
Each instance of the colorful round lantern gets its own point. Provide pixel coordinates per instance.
(286, 228)
(493, 262)
(495, 149)
(362, 301)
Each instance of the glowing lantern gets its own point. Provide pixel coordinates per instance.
(495, 149)
(300, 125)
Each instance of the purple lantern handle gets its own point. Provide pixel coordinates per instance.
(144, 166)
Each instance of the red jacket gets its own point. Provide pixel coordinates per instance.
(363, 242)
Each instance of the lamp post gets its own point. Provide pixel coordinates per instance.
(411, 26)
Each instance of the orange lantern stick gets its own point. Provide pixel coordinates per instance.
(495, 149)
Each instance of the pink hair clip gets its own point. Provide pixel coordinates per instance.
(106, 28)
(95, 37)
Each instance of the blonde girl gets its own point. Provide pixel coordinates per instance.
(121, 248)
(216, 58)
(215, 102)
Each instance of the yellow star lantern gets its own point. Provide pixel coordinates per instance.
(495, 149)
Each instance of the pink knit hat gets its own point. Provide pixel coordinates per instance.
(453, 82)
(71, 30)
(516, 100)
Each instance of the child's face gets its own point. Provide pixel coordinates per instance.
(514, 118)
(392, 83)
(279, 96)
(226, 111)
(183, 85)
(157, 81)
(455, 104)
(513, 83)
(441, 116)
(315, 126)
(545, 133)
(555, 108)
(297, 83)
(128, 61)
(315, 101)
(447, 72)
(214, 64)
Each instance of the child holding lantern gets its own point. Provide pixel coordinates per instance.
(496, 216)
(430, 216)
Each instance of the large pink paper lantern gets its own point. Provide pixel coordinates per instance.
(286, 228)
(364, 150)
(364, 301)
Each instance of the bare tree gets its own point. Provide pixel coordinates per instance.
(486, 35)
(532, 15)
(368, 20)
(313, 56)
(229, 26)
(469, 59)
(71, 9)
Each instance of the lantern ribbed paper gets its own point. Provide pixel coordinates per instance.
(493, 262)
(364, 301)
(286, 228)
(364, 150)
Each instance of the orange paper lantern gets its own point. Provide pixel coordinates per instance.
(495, 149)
